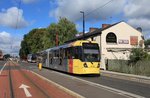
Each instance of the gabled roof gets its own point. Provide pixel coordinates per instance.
(91, 34)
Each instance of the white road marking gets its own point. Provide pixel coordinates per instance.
(59, 86)
(24, 87)
(110, 89)
(2, 68)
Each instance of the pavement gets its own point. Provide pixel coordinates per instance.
(129, 77)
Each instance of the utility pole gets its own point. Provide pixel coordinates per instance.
(56, 39)
(83, 23)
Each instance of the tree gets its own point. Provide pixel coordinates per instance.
(52, 30)
(147, 42)
(36, 40)
(66, 30)
(24, 50)
(40, 39)
(138, 54)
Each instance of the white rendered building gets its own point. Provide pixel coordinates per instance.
(115, 41)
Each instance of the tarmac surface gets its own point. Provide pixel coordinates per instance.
(95, 87)
(23, 80)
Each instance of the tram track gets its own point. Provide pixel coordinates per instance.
(10, 82)
(21, 72)
(110, 84)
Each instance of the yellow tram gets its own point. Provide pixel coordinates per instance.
(78, 57)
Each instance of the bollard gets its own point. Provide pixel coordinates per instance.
(40, 66)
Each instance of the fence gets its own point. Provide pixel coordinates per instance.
(139, 68)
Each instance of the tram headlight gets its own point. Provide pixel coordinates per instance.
(85, 65)
(98, 65)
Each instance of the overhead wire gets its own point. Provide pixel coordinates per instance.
(101, 6)
(19, 6)
(17, 20)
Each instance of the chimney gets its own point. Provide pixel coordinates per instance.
(91, 29)
(105, 25)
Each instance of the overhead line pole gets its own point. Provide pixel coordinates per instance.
(101, 6)
(83, 23)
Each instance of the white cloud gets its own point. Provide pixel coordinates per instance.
(28, 1)
(71, 9)
(9, 44)
(143, 23)
(140, 22)
(12, 17)
(4, 38)
(137, 8)
(137, 14)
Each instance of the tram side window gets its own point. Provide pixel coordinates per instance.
(73, 52)
(61, 53)
(68, 53)
(53, 54)
(80, 53)
(56, 54)
(76, 55)
(64, 53)
(50, 57)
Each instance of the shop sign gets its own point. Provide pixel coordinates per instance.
(123, 41)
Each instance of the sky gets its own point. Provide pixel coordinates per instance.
(18, 17)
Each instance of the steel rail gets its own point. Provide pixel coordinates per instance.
(32, 82)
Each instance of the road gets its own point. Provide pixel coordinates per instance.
(95, 87)
(18, 82)
(124, 85)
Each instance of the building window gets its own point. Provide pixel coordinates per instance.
(111, 38)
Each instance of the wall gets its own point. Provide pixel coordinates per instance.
(119, 50)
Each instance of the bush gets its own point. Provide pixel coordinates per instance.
(138, 54)
(138, 64)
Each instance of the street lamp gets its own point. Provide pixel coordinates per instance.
(83, 23)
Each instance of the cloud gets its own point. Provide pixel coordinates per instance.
(143, 23)
(71, 9)
(137, 14)
(13, 17)
(137, 8)
(9, 44)
(4, 37)
(29, 1)
(140, 22)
